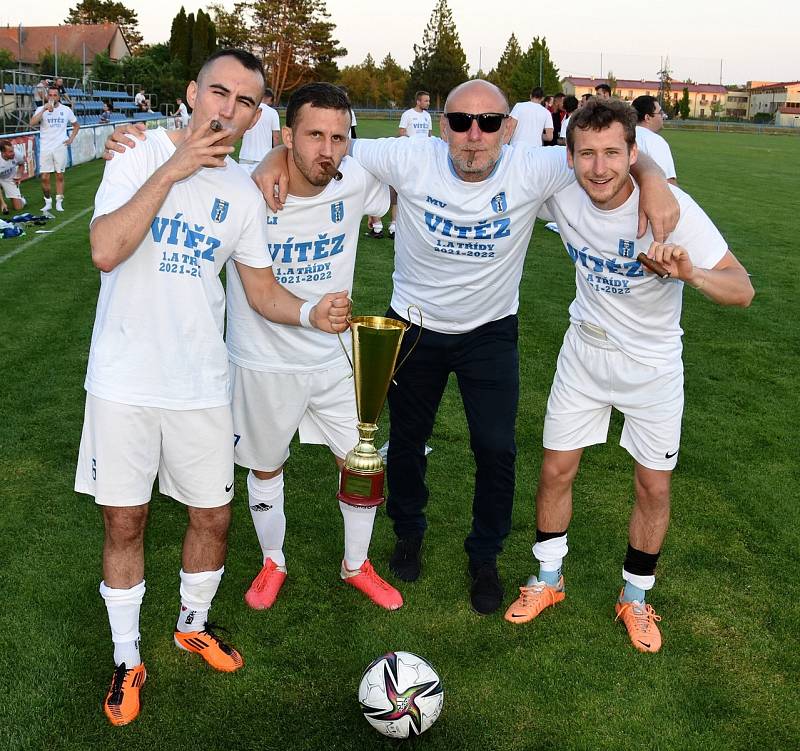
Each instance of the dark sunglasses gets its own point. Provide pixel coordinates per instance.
(488, 122)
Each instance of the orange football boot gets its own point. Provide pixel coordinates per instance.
(211, 648)
(265, 587)
(533, 599)
(640, 619)
(367, 580)
(122, 701)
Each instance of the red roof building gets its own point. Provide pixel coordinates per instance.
(27, 43)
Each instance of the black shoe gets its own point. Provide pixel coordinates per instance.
(486, 593)
(406, 561)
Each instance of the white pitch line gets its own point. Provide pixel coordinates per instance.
(39, 238)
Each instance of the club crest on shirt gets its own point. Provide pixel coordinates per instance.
(337, 211)
(627, 248)
(499, 203)
(220, 210)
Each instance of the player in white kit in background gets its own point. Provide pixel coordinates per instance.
(414, 123)
(168, 214)
(651, 118)
(287, 379)
(263, 136)
(622, 350)
(53, 118)
(10, 161)
(530, 124)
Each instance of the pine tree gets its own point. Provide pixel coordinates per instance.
(683, 105)
(178, 37)
(199, 43)
(534, 69)
(511, 57)
(439, 62)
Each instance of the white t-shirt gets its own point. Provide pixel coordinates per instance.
(53, 127)
(157, 338)
(639, 311)
(657, 149)
(416, 123)
(8, 167)
(353, 121)
(532, 119)
(564, 123)
(312, 243)
(139, 98)
(460, 247)
(257, 141)
(183, 114)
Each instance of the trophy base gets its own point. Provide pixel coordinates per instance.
(361, 488)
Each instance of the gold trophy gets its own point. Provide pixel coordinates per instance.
(376, 344)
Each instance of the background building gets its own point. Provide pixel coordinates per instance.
(774, 98)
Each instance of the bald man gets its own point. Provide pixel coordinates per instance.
(465, 211)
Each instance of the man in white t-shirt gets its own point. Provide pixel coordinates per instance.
(414, 123)
(651, 118)
(530, 124)
(181, 114)
(263, 136)
(53, 141)
(287, 379)
(622, 350)
(466, 208)
(168, 214)
(140, 100)
(10, 160)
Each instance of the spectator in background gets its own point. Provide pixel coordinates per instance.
(558, 115)
(62, 92)
(602, 91)
(40, 93)
(570, 105)
(182, 114)
(139, 100)
(105, 115)
(548, 103)
(530, 122)
(584, 98)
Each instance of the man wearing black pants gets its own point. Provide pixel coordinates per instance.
(486, 364)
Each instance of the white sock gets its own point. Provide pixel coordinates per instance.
(358, 523)
(197, 592)
(265, 498)
(378, 226)
(48, 202)
(123, 607)
(550, 554)
(391, 227)
(59, 198)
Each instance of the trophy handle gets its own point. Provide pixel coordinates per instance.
(416, 341)
(344, 349)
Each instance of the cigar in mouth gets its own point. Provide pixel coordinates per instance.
(331, 171)
(471, 158)
(215, 125)
(653, 266)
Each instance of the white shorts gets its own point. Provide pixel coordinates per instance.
(10, 189)
(123, 447)
(592, 376)
(53, 161)
(269, 408)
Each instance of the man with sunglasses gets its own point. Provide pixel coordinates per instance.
(466, 208)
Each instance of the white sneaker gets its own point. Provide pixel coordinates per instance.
(59, 206)
(47, 206)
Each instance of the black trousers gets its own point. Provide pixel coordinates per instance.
(486, 364)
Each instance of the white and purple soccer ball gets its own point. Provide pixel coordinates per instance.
(401, 694)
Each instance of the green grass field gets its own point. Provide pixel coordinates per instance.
(726, 678)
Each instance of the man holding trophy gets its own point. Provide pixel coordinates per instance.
(287, 379)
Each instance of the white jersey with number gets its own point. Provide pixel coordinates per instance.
(312, 243)
(656, 147)
(257, 141)
(416, 123)
(639, 311)
(532, 119)
(157, 338)
(460, 247)
(53, 127)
